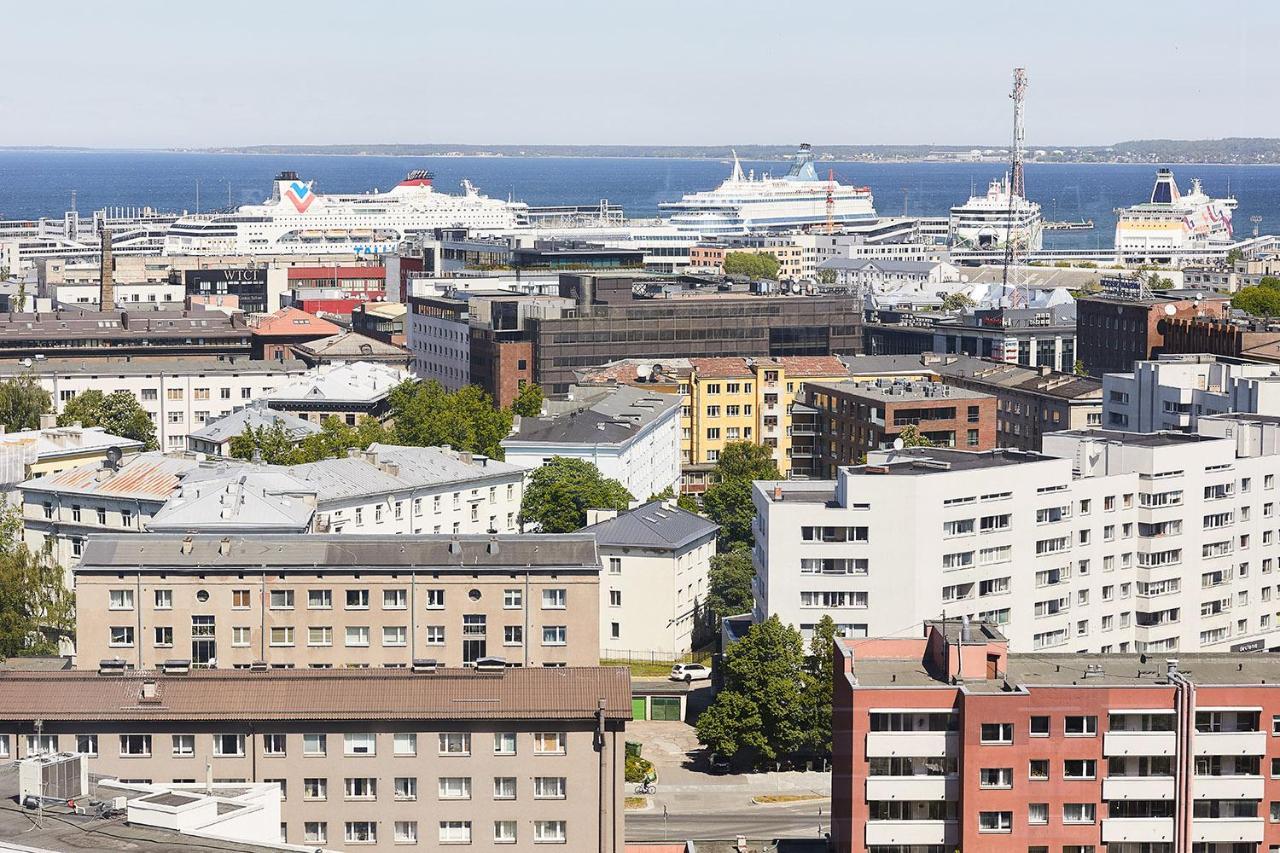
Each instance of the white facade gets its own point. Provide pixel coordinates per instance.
(125, 295)
(441, 349)
(1156, 543)
(1175, 391)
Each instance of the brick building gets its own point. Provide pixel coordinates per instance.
(1125, 324)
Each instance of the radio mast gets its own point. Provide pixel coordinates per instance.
(1017, 188)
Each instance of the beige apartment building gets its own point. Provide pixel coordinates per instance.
(365, 759)
(338, 601)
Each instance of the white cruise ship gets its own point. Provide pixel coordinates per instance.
(745, 203)
(986, 222)
(299, 220)
(1169, 222)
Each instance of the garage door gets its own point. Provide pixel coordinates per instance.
(637, 708)
(666, 708)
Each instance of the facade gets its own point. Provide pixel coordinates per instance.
(516, 758)
(1253, 338)
(797, 254)
(180, 395)
(149, 334)
(349, 347)
(631, 434)
(950, 741)
(325, 601)
(1107, 542)
(653, 582)
(867, 275)
(1174, 391)
(382, 321)
(438, 335)
(1124, 324)
(854, 418)
(347, 391)
(53, 449)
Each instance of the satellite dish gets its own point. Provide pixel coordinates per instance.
(644, 371)
(897, 443)
(1170, 310)
(114, 454)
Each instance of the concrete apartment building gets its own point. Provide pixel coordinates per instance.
(1126, 323)
(180, 395)
(1107, 542)
(214, 438)
(1174, 391)
(797, 254)
(854, 418)
(319, 601)
(653, 582)
(631, 434)
(947, 741)
(375, 760)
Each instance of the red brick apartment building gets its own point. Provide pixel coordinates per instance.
(949, 743)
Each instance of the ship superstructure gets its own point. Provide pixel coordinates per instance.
(1156, 230)
(987, 222)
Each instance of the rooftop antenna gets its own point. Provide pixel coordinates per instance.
(1016, 186)
(831, 201)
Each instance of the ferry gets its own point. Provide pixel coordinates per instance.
(1157, 230)
(297, 219)
(987, 222)
(134, 231)
(745, 204)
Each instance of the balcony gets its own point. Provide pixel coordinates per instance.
(1226, 829)
(1230, 743)
(1228, 788)
(1138, 743)
(890, 744)
(913, 788)
(1117, 829)
(1137, 788)
(912, 832)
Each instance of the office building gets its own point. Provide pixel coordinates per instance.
(947, 740)
(653, 582)
(1127, 323)
(631, 434)
(370, 759)
(1174, 391)
(1106, 542)
(318, 601)
(438, 335)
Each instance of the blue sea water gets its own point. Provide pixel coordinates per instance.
(39, 183)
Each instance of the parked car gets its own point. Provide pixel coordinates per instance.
(688, 672)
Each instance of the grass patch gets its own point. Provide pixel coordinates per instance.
(766, 799)
(654, 669)
(633, 803)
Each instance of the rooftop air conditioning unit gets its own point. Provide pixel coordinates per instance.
(60, 776)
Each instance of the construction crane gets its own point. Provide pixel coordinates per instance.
(1017, 188)
(831, 201)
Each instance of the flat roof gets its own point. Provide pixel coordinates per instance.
(916, 461)
(194, 366)
(900, 391)
(1141, 439)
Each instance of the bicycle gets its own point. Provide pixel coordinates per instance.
(646, 788)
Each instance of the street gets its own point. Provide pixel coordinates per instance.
(799, 820)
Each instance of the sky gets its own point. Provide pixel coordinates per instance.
(145, 74)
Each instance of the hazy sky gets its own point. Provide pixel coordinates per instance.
(231, 72)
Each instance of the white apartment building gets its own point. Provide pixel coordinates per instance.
(1175, 391)
(438, 335)
(653, 585)
(1107, 542)
(180, 395)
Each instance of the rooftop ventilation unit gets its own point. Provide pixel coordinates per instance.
(60, 776)
(425, 665)
(491, 664)
(111, 666)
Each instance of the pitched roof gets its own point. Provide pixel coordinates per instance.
(721, 366)
(351, 345)
(254, 416)
(359, 381)
(290, 322)
(248, 499)
(516, 693)
(615, 416)
(147, 476)
(653, 525)
(393, 468)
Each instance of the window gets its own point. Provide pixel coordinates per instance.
(553, 635)
(120, 635)
(361, 832)
(995, 821)
(997, 733)
(85, 745)
(406, 788)
(358, 743)
(395, 599)
(406, 831)
(1079, 768)
(455, 787)
(1078, 812)
(357, 599)
(435, 599)
(549, 743)
(319, 599)
(1039, 726)
(314, 744)
(282, 635)
(553, 599)
(314, 788)
(435, 635)
(512, 635)
(455, 743)
(512, 599)
(164, 599)
(504, 832)
(228, 745)
(548, 832)
(504, 743)
(995, 777)
(455, 832)
(320, 635)
(504, 787)
(357, 636)
(1038, 769)
(240, 599)
(615, 598)
(281, 599)
(395, 635)
(405, 743)
(1037, 813)
(548, 787)
(273, 744)
(136, 745)
(42, 744)
(361, 788)
(120, 599)
(1081, 726)
(183, 746)
(164, 637)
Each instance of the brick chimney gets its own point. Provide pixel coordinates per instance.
(106, 292)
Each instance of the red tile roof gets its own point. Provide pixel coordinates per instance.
(290, 322)
(813, 365)
(720, 366)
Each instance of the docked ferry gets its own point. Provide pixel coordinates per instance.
(745, 203)
(988, 222)
(1170, 222)
(299, 220)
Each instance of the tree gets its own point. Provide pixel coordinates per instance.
(558, 495)
(272, 444)
(956, 302)
(819, 686)
(728, 501)
(36, 608)
(826, 276)
(912, 437)
(426, 415)
(119, 413)
(1078, 368)
(1259, 301)
(336, 438)
(22, 402)
(754, 265)
(1234, 256)
(729, 583)
(1270, 282)
(761, 713)
(528, 401)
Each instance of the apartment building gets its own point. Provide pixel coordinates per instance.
(179, 395)
(1174, 391)
(347, 391)
(215, 437)
(1126, 323)
(856, 417)
(327, 601)
(365, 759)
(1106, 542)
(653, 585)
(438, 335)
(947, 741)
(147, 334)
(797, 254)
(869, 275)
(276, 334)
(52, 449)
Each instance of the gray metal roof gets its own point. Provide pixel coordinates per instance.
(254, 416)
(245, 499)
(194, 366)
(359, 382)
(335, 552)
(881, 264)
(653, 525)
(614, 415)
(393, 468)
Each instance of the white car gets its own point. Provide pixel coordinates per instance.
(688, 672)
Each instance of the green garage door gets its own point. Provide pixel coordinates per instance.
(637, 708)
(666, 708)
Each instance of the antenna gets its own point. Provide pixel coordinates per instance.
(1016, 187)
(831, 201)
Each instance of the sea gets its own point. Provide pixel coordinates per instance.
(41, 182)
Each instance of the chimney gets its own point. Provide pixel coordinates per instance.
(106, 292)
(48, 421)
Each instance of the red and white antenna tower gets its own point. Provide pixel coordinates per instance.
(1016, 187)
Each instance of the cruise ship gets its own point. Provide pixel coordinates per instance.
(986, 222)
(299, 220)
(1157, 230)
(134, 231)
(744, 203)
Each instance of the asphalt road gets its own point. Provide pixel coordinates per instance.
(792, 821)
